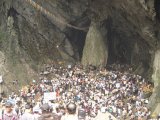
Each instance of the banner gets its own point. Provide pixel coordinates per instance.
(1, 80)
(49, 96)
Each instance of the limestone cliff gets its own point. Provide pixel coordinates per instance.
(155, 98)
(29, 38)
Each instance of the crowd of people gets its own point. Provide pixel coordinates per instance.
(81, 93)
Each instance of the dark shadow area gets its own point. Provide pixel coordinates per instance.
(157, 9)
(12, 12)
(126, 46)
(119, 47)
(78, 37)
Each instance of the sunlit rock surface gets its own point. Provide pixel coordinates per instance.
(95, 50)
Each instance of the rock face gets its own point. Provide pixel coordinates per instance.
(126, 31)
(95, 51)
(155, 98)
(30, 38)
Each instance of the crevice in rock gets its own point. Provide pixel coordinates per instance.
(12, 12)
(109, 36)
(157, 9)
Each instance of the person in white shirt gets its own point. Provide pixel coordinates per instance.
(28, 113)
(36, 112)
(71, 112)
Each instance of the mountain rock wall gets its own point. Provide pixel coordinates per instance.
(128, 32)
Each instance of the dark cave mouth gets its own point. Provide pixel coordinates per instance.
(123, 51)
(79, 41)
(118, 51)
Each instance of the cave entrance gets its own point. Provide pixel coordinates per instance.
(119, 52)
(77, 39)
(126, 46)
(120, 45)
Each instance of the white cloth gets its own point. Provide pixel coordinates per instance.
(118, 85)
(27, 116)
(103, 109)
(69, 117)
(36, 116)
